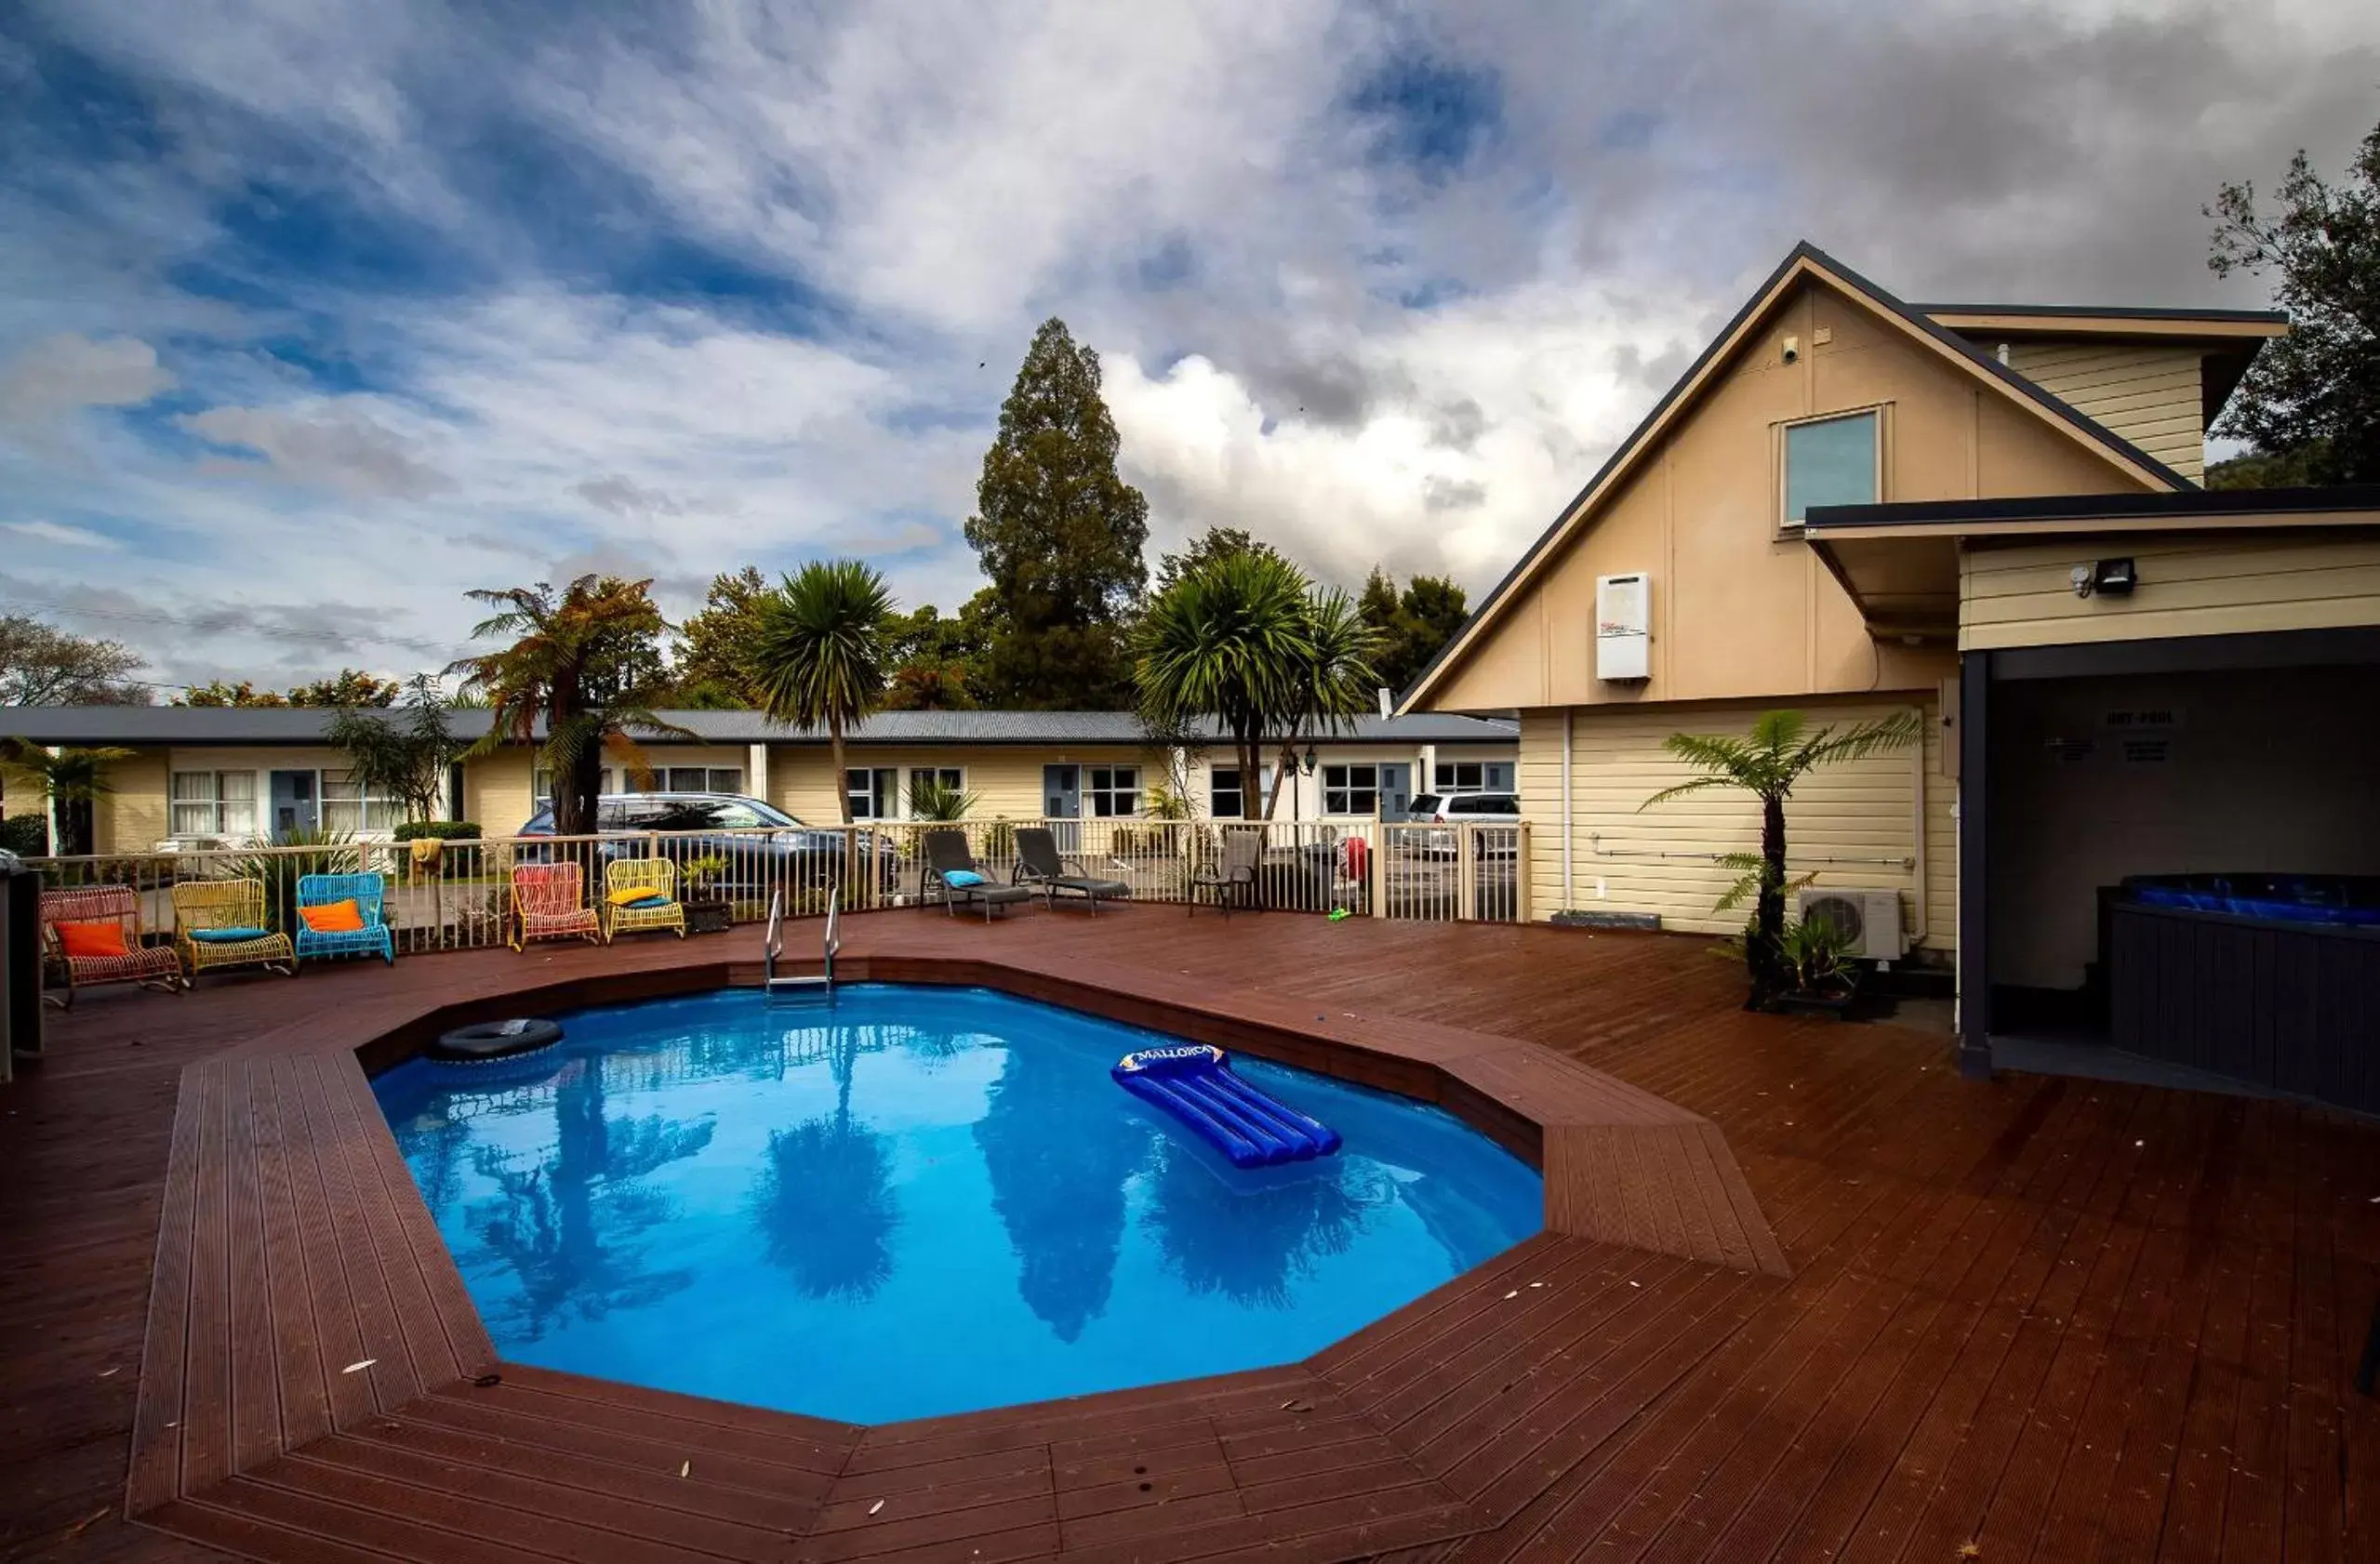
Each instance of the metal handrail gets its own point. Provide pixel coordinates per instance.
(774, 945)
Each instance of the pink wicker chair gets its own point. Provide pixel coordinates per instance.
(153, 965)
(549, 902)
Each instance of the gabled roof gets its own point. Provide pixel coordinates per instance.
(1805, 261)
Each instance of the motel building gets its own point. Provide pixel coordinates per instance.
(2141, 832)
(204, 776)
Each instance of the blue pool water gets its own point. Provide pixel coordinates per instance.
(917, 1200)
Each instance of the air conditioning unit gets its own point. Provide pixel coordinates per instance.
(1870, 920)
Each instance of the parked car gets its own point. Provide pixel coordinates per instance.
(764, 847)
(1476, 809)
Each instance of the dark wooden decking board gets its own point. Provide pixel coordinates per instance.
(2007, 1323)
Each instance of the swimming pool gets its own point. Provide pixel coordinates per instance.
(916, 1200)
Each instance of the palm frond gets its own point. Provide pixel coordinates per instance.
(1695, 785)
(1828, 746)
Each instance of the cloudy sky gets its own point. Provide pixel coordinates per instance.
(316, 312)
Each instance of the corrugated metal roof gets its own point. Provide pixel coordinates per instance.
(269, 725)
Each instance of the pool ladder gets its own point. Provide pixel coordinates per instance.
(824, 983)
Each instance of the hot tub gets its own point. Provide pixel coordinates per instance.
(2271, 979)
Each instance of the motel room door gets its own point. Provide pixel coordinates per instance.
(295, 806)
(1062, 801)
(1396, 790)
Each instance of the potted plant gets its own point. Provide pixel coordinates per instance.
(708, 910)
(1822, 978)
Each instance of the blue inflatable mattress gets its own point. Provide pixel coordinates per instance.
(1195, 1084)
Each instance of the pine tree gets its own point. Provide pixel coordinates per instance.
(1060, 535)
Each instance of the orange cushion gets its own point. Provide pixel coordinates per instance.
(334, 918)
(90, 941)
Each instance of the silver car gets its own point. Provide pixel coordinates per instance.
(1475, 808)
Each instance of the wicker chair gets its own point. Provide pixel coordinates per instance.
(654, 877)
(366, 891)
(549, 902)
(153, 966)
(203, 905)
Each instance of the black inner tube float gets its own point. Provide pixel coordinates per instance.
(490, 1040)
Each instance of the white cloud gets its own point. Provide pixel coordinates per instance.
(1531, 386)
(63, 536)
(487, 295)
(69, 371)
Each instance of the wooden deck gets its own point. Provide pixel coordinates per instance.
(2048, 1318)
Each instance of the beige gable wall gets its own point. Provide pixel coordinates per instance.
(2191, 584)
(1885, 822)
(2148, 392)
(1739, 611)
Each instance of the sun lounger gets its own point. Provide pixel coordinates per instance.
(1039, 863)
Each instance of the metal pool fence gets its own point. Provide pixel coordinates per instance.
(457, 894)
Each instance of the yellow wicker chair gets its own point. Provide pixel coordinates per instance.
(203, 908)
(651, 877)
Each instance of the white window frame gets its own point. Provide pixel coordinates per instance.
(954, 777)
(375, 814)
(541, 785)
(1217, 787)
(213, 802)
(1472, 776)
(1788, 525)
(883, 783)
(1121, 784)
(698, 778)
(1340, 797)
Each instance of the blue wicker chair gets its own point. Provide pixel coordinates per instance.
(366, 890)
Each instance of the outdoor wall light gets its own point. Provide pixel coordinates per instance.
(1305, 763)
(2115, 577)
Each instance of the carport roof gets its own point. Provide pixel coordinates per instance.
(1900, 562)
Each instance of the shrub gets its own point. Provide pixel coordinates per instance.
(442, 830)
(25, 835)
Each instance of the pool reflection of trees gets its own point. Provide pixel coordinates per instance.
(566, 1222)
(1248, 1244)
(1058, 1157)
(824, 1199)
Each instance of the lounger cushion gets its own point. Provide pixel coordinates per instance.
(334, 918)
(92, 941)
(226, 937)
(963, 878)
(633, 896)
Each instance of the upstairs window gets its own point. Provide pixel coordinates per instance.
(1829, 461)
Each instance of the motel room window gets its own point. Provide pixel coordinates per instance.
(541, 784)
(925, 780)
(1472, 776)
(874, 792)
(699, 779)
(1111, 791)
(347, 807)
(1829, 461)
(214, 802)
(1350, 789)
(1225, 798)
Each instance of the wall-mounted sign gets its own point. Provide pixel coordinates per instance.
(2143, 718)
